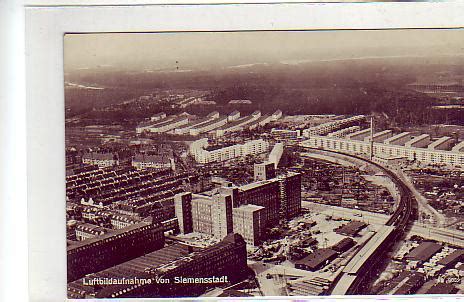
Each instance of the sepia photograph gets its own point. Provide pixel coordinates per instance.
(264, 163)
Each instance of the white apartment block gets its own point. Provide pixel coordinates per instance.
(332, 126)
(239, 150)
(459, 147)
(443, 143)
(239, 124)
(343, 132)
(398, 139)
(276, 154)
(379, 137)
(420, 141)
(208, 126)
(359, 135)
(422, 155)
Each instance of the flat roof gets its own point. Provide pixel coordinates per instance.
(249, 208)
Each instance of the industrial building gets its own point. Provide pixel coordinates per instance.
(424, 251)
(246, 210)
(112, 248)
(316, 260)
(176, 263)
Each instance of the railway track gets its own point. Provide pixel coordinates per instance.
(405, 214)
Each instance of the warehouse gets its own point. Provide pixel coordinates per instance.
(424, 251)
(351, 229)
(316, 260)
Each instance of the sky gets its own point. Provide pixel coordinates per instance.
(205, 50)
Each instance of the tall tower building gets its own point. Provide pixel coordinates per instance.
(222, 215)
(290, 195)
(183, 210)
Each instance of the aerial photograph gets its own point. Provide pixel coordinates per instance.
(264, 163)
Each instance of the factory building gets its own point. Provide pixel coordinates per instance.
(221, 264)
(98, 253)
(183, 212)
(264, 171)
(227, 211)
(248, 221)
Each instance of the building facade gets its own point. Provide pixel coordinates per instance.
(422, 155)
(96, 254)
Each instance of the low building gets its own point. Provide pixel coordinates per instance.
(145, 161)
(351, 229)
(285, 134)
(208, 126)
(452, 259)
(119, 221)
(443, 143)
(442, 289)
(100, 159)
(316, 260)
(158, 117)
(424, 251)
(343, 245)
(410, 284)
(85, 231)
(233, 116)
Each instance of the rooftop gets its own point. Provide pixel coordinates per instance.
(424, 251)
